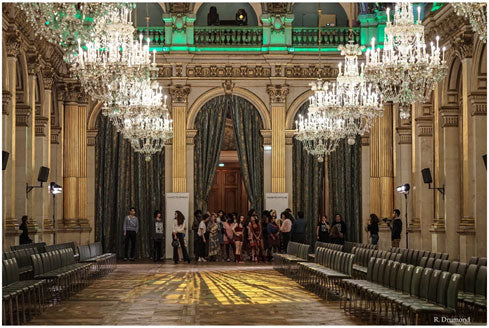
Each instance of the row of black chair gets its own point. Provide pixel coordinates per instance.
(322, 276)
(413, 257)
(348, 246)
(40, 247)
(362, 257)
(50, 248)
(21, 300)
(287, 263)
(409, 293)
(478, 260)
(335, 247)
(23, 258)
(93, 253)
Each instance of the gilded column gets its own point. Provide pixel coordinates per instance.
(467, 222)
(414, 228)
(424, 159)
(438, 225)
(365, 183)
(82, 155)
(179, 97)
(386, 171)
(449, 118)
(278, 95)
(10, 222)
(72, 158)
(403, 168)
(374, 169)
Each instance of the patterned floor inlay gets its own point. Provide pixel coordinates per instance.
(209, 294)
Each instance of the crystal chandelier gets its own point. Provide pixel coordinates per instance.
(317, 133)
(476, 13)
(64, 23)
(404, 71)
(148, 130)
(113, 61)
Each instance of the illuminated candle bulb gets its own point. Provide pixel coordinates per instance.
(388, 16)
(165, 100)
(437, 41)
(154, 56)
(339, 68)
(373, 44)
(443, 56)
(419, 13)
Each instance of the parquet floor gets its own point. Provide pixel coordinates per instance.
(191, 294)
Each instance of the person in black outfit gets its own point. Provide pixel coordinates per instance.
(299, 228)
(158, 237)
(195, 228)
(24, 236)
(341, 225)
(178, 235)
(322, 230)
(396, 228)
(212, 17)
(373, 228)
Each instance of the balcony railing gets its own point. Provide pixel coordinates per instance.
(156, 35)
(331, 36)
(228, 36)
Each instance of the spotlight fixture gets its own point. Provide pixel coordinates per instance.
(221, 164)
(55, 188)
(241, 17)
(403, 189)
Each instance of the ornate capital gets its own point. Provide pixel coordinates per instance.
(478, 103)
(91, 137)
(463, 45)
(33, 64)
(424, 126)
(449, 117)
(278, 93)
(73, 93)
(6, 98)
(22, 114)
(267, 136)
(179, 93)
(365, 140)
(55, 135)
(228, 86)
(13, 44)
(190, 135)
(41, 124)
(48, 77)
(405, 136)
(179, 7)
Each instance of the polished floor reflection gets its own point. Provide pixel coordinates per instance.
(208, 294)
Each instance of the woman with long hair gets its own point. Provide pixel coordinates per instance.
(214, 245)
(238, 231)
(322, 229)
(158, 236)
(373, 228)
(228, 237)
(178, 235)
(254, 236)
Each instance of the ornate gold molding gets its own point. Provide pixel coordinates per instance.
(438, 225)
(48, 77)
(228, 71)
(311, 71)
(14, 44)
(190, 135)
(72, 93)
(463, 45)
(267, 137)
(278, 92)
(179, 93)
(466, 226)
(365, 139)
(289, 136)
(478, 103)
(41, 124)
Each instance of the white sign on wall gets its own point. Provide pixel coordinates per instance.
(277, 201)
(178, 201)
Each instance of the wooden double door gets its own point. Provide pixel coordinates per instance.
(228, 193)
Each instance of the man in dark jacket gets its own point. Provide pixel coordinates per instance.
(195, 228)
(396, 228)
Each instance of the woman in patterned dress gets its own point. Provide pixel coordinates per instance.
(238, 230)
(214, 245)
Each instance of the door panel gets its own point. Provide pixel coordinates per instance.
(228, 192)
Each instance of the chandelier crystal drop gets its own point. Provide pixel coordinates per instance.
(476, 13)
(64, 23)
(148, 130)
(405, 71)
(104, 62)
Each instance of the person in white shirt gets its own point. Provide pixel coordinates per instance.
(201, 233)
(179, 234)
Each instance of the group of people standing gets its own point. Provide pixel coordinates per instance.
(394, 224)
(222, 236)
(331, 233)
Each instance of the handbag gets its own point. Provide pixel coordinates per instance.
(175, 243)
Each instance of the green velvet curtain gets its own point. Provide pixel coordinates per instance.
(124, 179)
(345, 189)
(308, 183)
(210, 123)
(247, 124)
